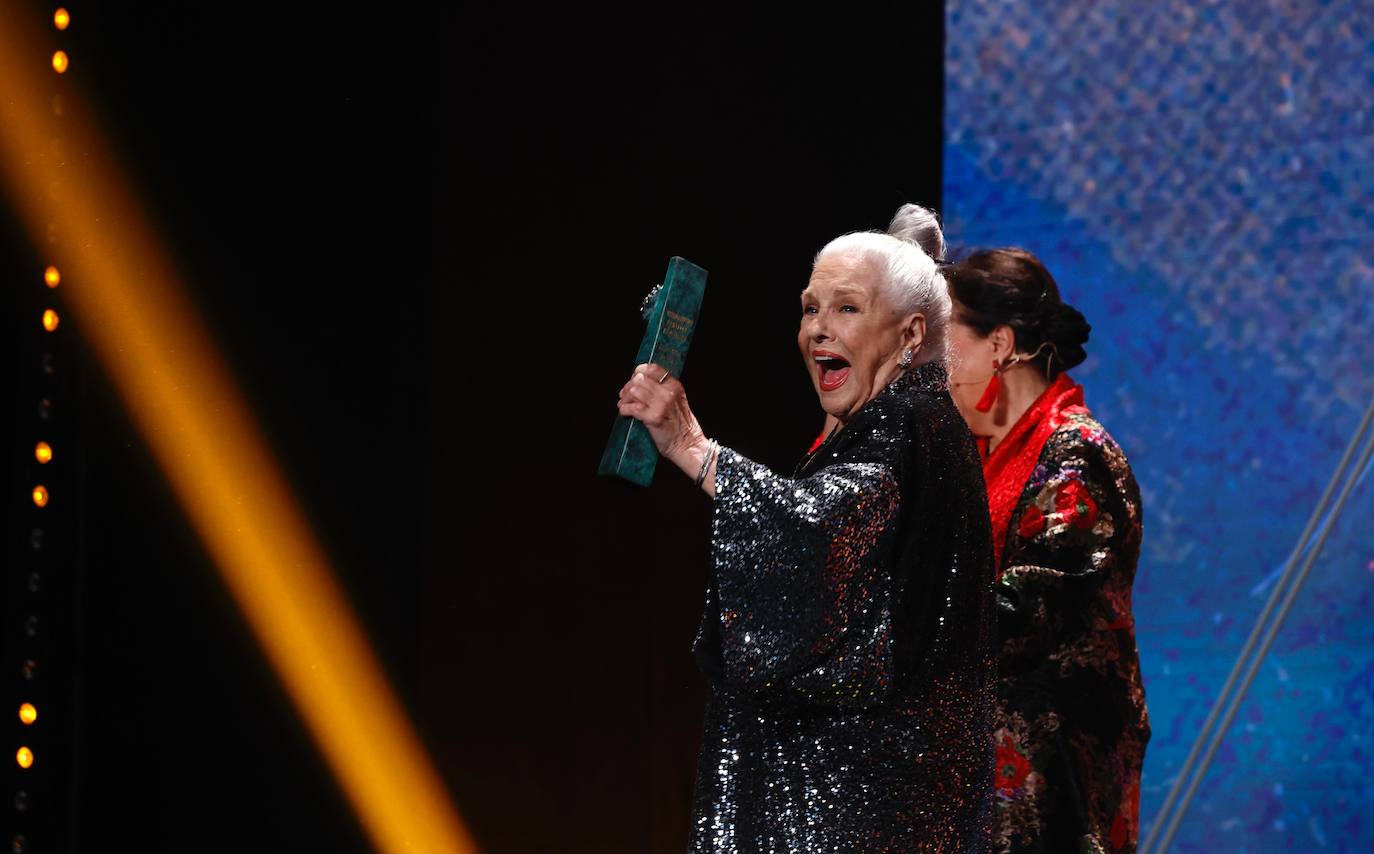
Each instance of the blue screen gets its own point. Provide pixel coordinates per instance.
(1199, 177)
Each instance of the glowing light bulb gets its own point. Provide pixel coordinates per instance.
(61, 18)
(52, 277)
(40, 495)
(24, 757)
(27, 713)
(59, 62)
(50, 320)
(43, 452)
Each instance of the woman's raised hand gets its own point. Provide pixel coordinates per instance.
(657, 399)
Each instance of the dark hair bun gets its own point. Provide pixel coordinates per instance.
(1011, 287)
(1065, 327)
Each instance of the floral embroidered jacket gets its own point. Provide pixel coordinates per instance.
(1071, 719)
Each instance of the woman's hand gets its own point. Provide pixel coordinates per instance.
(657, 399)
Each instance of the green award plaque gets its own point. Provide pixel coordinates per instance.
(671, 311)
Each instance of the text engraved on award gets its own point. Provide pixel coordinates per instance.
(677, 327)
(674, 335)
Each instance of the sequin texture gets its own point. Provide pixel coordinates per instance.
(848, 640)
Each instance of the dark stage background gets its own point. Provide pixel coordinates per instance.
(421, 240)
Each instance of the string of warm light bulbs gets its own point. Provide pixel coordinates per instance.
(44, 456)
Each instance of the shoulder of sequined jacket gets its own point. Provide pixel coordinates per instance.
(915, 429)
(897, 426)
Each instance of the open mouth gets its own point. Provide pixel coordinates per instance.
(834, 369)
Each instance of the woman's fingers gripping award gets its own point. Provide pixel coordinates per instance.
(657, 399)
(644, 398)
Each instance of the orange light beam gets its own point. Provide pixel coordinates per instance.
(126, 299)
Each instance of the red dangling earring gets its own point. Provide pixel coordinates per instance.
(989, 397)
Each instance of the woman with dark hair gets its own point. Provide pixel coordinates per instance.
(1066, 520)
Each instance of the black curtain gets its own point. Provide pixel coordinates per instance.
(421, 237)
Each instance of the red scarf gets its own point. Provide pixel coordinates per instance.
(1009, 467)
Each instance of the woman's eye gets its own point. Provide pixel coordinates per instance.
(808, 309)
(848, 308)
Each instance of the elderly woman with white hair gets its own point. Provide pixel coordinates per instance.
(848, 627)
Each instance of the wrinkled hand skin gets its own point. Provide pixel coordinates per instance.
(662, 407)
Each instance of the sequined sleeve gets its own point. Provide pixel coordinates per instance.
(802, 580)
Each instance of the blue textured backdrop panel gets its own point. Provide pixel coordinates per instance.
(1200, 179)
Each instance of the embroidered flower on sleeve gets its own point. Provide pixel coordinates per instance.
(1075, 506)
(1032, 522)
(1012, 766)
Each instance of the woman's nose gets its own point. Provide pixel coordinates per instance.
(817, 329)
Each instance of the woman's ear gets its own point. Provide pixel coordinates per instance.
(914, 332)
(1003, 341)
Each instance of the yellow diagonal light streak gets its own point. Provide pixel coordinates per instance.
(124, 295)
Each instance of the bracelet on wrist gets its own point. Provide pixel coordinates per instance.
(706, 461)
